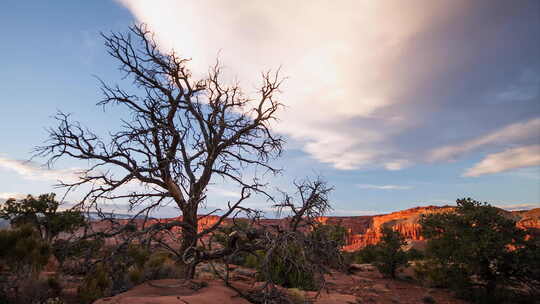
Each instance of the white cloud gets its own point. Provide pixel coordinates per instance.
(8, 195)
(525, 88)
(513, 132)
(31, 171)
(514, 207)
(224, 192)
(341, 61)
(384, 187)
(526, 156)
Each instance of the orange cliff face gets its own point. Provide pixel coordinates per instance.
(364, 231)
(405, 222)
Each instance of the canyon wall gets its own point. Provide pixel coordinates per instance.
(365, 230)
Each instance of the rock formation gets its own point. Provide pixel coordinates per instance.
(365, 230)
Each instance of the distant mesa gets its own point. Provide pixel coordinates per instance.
(365, 230)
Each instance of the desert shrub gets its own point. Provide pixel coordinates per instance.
(34, 290)
(135, 275)
(428, 300)
(23, 254)
(223, 236)
(479, 252)
(414, 254)
(289, 266)
(365, 255)
(432, 274)
(22, 251)
(56, 300)
(325, 242)
(43, 215)
(74, 256)
(253, 260)
(97, 284)
(296, 296)
(150, 266)
(335, 235)
(390, 255)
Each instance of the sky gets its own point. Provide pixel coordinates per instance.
(395, 103)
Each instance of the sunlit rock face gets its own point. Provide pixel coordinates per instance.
(529, 220)
(362, 230)
(365, 230)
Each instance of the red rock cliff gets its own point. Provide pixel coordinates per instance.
(365, 230)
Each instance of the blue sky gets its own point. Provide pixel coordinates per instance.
(396, 104)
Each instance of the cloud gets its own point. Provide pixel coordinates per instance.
(384, 187)
(521, 157)
(515, 207)
(508, 134)
(8, 195)
(224, 192)
(339, 63)
(31, 171)
(526, 88)
(370, 83)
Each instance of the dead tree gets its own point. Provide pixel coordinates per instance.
(294, 247)
(181, 135)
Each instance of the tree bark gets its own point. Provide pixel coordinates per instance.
(189, 240)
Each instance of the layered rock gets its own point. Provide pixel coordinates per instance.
(366, 230)
(369, 231)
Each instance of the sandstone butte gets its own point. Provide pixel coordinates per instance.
(365, 230)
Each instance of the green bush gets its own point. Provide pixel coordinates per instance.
(253, 260)
(365, 255)
(290, 268)
(65, 250)
(150, 266)
(414, 254)
(43, 215)
(296, 296)
(22, 251)
(390, 255)
(97, 284)
(478, 251)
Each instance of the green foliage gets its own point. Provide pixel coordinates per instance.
(22, 251)
(365, 255)
(96, 284)
(296, 296)
(334, 233)
(144, 265)
(23, 254)
(253, 260)
(390, 255)
(414, 254)
(42, 214)
(74, 250)
(289, 267)
(428, 300)
(477, 251)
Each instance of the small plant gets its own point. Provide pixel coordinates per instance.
(43, 215)
(55, 301)
(296, 296)
(365, 255)
(478, 252)
(390, 253)
(97, 284)
(428, 300)
(289, 266)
